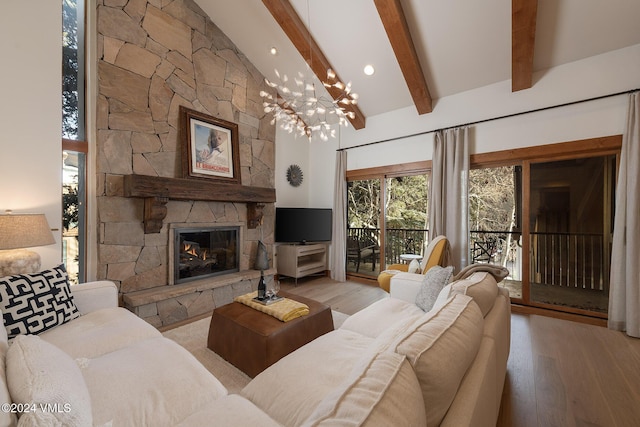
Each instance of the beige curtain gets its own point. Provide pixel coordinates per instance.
(624, 293)
(339, 235)
(448, 198)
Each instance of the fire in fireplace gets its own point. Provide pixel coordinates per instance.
(204, 252)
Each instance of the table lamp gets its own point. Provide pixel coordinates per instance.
(19, 231)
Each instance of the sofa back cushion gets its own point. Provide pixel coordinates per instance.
(441, 345)
(380, 390)
(339, 378)
(481, 286)
(290, 389)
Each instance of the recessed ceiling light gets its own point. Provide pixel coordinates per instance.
(273, 50)
(369, 70)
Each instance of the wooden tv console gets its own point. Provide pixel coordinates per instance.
(301, 260)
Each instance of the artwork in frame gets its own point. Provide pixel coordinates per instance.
(210, 147)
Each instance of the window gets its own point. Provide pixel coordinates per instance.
(74, 145)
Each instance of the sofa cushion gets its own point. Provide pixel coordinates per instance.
(371, 321)
(107, 330)
(282, 390)
(434, 280)
(481, 286)
(153, 382)
(440, 345)
(380, 390)
(40, 374)
(32, 303)
(229, 411)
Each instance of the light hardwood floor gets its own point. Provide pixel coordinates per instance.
(560, 373)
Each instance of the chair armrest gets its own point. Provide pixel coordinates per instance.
(405, 286)
(92, 296)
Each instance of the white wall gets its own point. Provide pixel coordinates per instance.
(613, 72)
(30, 114)
(291, 150)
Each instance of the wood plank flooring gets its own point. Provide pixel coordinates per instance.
(345, 297)
(560, 373)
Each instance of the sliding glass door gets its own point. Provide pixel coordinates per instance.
(548, 218)
(570, 224)
(363, 227)
(495, 233)
(386, 220)
(406, 217)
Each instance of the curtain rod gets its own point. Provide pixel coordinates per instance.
(492, 119)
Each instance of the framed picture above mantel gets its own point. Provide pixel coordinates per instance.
(209, 147)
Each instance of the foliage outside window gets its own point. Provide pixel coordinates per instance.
(74, 143)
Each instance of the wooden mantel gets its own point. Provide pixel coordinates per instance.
(157, 191)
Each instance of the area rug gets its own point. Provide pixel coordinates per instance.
(193, 337)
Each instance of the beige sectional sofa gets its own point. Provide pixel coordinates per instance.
(390, 364)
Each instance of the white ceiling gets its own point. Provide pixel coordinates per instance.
(461, 44)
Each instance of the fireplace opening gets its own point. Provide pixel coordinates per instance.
(205, 252)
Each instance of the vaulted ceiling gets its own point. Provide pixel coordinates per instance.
(423, 50)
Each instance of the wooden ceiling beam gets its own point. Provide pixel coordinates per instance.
(523, 37)
(395, 24)
(286, 16)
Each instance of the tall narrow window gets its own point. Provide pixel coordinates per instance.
(74, 144)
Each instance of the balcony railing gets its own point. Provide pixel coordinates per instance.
(576, 260)
(398, 241)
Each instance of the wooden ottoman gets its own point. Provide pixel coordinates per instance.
(252, 341)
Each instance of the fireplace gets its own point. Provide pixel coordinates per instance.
(204, 252)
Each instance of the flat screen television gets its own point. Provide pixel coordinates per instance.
(302, 225)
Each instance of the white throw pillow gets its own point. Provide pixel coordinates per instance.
(44, 377)
(434, 280)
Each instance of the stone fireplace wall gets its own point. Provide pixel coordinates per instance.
(154, 56)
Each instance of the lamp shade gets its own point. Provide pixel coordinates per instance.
(24, 231)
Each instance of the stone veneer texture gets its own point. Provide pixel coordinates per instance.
(154, 56)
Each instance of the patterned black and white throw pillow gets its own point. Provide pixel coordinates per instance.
(33, 303)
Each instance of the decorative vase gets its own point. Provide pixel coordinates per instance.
(262, 257)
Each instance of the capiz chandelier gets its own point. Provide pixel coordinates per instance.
(302, 110)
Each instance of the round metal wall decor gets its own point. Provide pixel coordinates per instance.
(294, 175)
